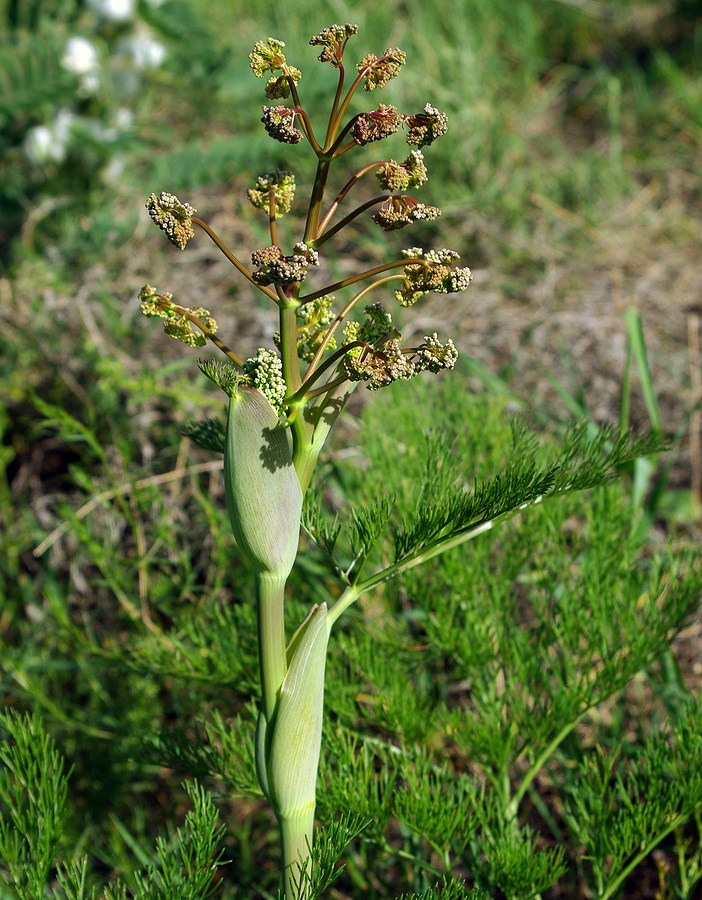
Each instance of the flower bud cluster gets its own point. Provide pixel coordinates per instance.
(378, 71)
(410, 173)
(434, 273)
(360, 362)
(178, 320)
(265, 372)
(378, 326)
(282, 183)
(278, 88)
(397, 212)
(333, 40)
(314, 319)
(379, 366)
(172, 217)
(275, 268)
(433, 356)
(386, 362)
(425, 127)
(279, 123)
(268, 57)
(376, 125)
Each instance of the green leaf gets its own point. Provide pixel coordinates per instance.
(209, 434)
(621, 809)
(319, 871)
(33, 793)
(582, 462)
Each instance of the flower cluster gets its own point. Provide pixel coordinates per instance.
(410, 173)
(189, 326)
(433, 356)
(376, 125)
(386, 362)
(378, 71)
(275, 268)
(282, 183)
(378, 326)
(397, 212)
(425, 127)
(268, 57)
(371, 351)
(265, 372)
(279, 122)
(314, 318)
(172, 216)
(333, 40)
(434, 273)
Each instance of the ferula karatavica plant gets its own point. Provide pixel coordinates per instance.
(283, 402)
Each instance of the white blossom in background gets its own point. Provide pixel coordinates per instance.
(113, 10)
(115, 169)
(49, 143)
(40, 146)
(124, 118)
(143, 50)
(110, 64)
(80, 56)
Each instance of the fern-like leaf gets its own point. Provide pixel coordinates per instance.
(208, 434)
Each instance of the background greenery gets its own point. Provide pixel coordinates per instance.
(570, 182)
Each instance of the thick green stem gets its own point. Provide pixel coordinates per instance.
(324, 417)
(271, 639)
(296, 835)
(315, 208)
(288, 346)
(291, 372)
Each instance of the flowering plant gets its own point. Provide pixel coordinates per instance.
(283, 403)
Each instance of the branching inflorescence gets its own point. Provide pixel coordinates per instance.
(309, 325)
(284, 401)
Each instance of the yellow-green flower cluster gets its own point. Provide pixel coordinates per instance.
(172, 216)
(268, 57)
(265, 372)
(333, 39)
(275, 268)
(410, 173)
(425, 127)
(282, 183)
(378, 71)
(179, 321)
(386, 361)
(435, 273)
(314, 319)
(397, 212)
(279, 122)
(378, 325)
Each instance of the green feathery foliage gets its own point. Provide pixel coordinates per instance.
(323, 868)
(449, 889)
(208, 434)
(33, 795)
(620, 808)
